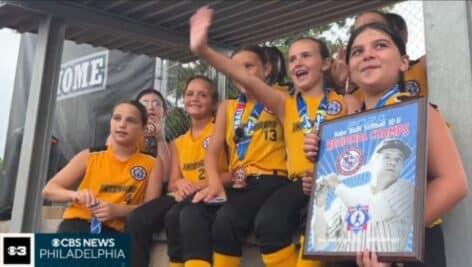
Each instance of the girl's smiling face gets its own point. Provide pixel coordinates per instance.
(375, 61)
(306, 65)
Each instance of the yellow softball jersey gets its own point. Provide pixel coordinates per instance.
(282, 88)
(266, 151)
(191, 152)
(358, 93)
(297, 163)
(114, 181)
(416, 82)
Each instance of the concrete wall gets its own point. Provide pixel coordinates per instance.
(448, 48)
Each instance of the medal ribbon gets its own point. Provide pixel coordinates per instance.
(382, 101)
(243, 144)
(320, 115)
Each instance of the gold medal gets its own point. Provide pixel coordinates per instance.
(150, 128)
(239, 178)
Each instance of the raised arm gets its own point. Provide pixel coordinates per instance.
(199, 24)
(448, 182)
(58, 189)
(339, 69)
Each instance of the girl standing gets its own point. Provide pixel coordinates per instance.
(377, 60)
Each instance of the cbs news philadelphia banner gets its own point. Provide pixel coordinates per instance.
(21, 250)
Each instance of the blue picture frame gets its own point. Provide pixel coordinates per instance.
(370, 181)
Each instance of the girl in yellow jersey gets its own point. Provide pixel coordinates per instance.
(278, 70)
(114, 180)
(376, 59)
(188, 154)
(187, 176)
(311, 104)
(257, 160)
(153, 141)
(200, 103)
(414, 78)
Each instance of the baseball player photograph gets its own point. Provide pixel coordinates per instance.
(372, 209)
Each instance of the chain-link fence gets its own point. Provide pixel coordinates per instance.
(412, 12)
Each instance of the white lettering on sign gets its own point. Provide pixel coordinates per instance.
(83, 75)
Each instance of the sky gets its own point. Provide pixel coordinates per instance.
(411, 11)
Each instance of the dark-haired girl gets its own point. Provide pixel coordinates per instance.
(102, 170)
(257, 160)
(377, 59)
(187, 175)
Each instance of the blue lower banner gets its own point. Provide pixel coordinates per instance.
(82, 250)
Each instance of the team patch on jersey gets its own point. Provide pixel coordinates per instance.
(334, 107)
(206, 142)
(138, 173)
(349, 161)
(357, 218)
(412, 87)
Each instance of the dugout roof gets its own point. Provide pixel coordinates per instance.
(160, 28)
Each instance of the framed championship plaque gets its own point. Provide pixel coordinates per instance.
(370, 185)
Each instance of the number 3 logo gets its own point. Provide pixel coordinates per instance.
(19, 250)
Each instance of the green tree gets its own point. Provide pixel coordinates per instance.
(177, 123)
(179, 73)
(328, 33)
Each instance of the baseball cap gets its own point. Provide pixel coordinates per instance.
(394, 143)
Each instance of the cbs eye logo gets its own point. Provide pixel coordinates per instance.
(16, 250)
